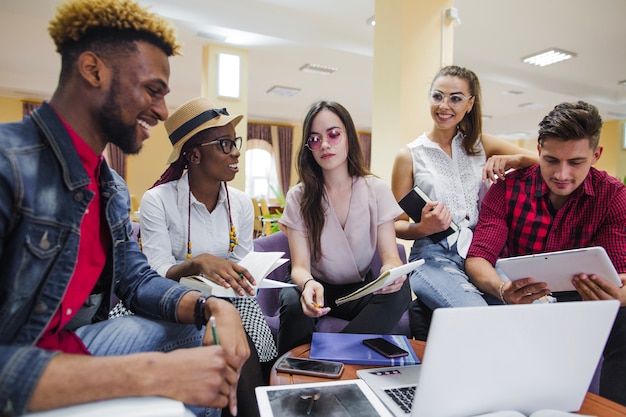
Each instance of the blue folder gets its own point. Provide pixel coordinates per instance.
(349, 348)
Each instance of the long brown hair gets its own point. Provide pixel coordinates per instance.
(311, 176)
(472, 124)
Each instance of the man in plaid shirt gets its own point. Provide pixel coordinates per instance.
(562, 203)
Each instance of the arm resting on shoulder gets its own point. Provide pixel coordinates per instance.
(502, 155)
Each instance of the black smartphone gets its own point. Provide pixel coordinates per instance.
(312, 367)
(385, 347)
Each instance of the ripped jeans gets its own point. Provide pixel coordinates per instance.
(441, 281)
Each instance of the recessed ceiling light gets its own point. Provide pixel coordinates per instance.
(512, 93)
(487, 116)
(623, 82)
(517, 135)
(531, 106)
(283, 91)
(318, 69)
(371, 21)
(211, 36)
(548, 57)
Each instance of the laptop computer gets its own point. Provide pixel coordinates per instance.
(513, 357)
(558, 268)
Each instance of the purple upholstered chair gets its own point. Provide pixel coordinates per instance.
(270, 303)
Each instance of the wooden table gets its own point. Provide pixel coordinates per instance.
(593, 404)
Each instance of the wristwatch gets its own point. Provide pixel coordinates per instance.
(198, 313)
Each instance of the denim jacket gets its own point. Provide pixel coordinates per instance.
(43, 196)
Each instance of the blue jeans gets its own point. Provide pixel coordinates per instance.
(441, 281)
(135, 334)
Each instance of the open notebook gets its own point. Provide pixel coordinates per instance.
(514, 357)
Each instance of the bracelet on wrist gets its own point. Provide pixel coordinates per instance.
(501, 292)
(307, 281)
(199, 317)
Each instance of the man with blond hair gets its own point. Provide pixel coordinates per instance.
(66, 238)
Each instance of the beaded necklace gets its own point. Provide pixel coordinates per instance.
(233, 241)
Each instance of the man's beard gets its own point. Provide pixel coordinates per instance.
(118, 133)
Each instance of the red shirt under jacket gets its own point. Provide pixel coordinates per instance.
(516, 218)
(91, 257)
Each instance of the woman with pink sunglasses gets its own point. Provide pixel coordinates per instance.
(335, 218)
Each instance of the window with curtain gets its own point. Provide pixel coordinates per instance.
(261, 179)
(268, 160)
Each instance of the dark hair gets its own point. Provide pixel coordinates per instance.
(310, 172)
(572, 121)
(472, 124)
(109, 44)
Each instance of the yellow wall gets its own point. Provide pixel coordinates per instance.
(403, 73)
(10, 109)
(611, 147)
(234, 106)
(621, 154)
(144, 169)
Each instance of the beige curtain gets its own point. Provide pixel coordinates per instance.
(285, 148)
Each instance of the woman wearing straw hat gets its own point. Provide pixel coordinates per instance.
(193, 223)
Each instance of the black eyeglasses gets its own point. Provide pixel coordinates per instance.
(226, 144)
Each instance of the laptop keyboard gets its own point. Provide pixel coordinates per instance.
(402, 396)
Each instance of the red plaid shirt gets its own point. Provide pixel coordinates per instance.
(516, 218)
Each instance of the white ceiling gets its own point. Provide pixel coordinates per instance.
(283, 35)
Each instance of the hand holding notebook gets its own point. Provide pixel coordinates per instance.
(259, 264)
(382, 281)
(413, 203)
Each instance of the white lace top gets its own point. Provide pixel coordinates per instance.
(454, 181)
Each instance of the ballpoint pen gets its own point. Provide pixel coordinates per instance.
(216, 340)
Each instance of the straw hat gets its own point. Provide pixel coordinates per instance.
(192, 117)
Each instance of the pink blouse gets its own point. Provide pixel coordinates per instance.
(347, 252)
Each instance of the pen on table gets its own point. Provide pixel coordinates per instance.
(216, 340)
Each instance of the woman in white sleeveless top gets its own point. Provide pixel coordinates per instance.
(452, 163)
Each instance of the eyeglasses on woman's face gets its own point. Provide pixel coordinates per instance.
(454, 101)
(226, 144)
(333, 137)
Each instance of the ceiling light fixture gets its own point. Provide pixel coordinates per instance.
(213, 37)
(283, 91)
(371, 21)
(532, 106)
(317, 69)
(548, 57)
(623, 82)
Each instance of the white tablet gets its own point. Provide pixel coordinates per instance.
(558, 268)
